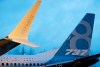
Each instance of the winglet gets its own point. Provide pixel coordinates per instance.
(22, 29)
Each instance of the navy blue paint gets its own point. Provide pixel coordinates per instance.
(81, 43)
(81, 29)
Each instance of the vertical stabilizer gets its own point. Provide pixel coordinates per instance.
(79, 41)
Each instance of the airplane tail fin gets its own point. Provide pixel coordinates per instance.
(79, 41)
(22, 29)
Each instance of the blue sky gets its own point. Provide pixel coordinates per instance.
(54, 22)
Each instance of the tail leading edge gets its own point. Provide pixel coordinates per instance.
(78, 42)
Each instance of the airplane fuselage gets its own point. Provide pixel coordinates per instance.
(42, 61)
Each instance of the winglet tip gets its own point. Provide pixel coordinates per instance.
(39, 0)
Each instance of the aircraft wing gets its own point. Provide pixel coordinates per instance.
(6, 45)
(20, 34)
